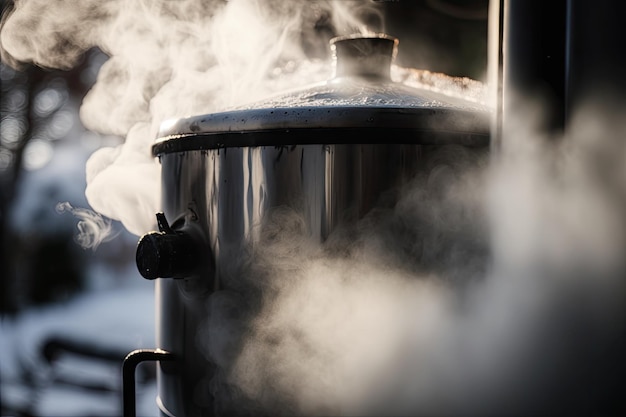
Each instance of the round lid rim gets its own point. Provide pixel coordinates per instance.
(419, 126)
(312, 137)
(325, 117)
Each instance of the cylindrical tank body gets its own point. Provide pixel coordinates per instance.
(227, 194)
(338, 150)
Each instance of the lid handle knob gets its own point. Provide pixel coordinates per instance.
(368, 56)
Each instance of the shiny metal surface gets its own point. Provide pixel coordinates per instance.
(330, 152)
(230, 190)
(360, 95)
(277, 126)
(227, 195)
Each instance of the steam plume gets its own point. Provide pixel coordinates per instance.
(487, 290)
(411, 315)
(93, 229)
(168, 59)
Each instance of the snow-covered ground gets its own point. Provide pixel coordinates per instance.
(114, 311)
(117, 319)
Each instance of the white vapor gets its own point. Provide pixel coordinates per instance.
(409, 316)
(167, 59)
(93, 228)
(495, 286)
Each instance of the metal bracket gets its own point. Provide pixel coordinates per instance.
(131, 361)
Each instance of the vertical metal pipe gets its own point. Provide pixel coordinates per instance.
(596, 58)
(530, 63)
(557, 55)
(495, 71)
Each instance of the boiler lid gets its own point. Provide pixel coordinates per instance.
(360, 104)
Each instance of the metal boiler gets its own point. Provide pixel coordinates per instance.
(328, 151)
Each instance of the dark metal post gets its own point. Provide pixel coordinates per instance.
(530, 54)
(596, 57)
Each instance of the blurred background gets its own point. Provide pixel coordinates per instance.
(69, 315)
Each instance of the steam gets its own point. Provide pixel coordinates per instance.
(93, 229)
(490, 288)
(169, 59)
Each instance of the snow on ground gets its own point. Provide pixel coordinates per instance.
(115, 311)
(116, 318)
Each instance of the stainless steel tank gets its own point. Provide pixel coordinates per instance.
(328, 151)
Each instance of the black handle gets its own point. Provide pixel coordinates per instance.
(166, 254)
(131, 361)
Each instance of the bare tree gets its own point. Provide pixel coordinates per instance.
(31, 97)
